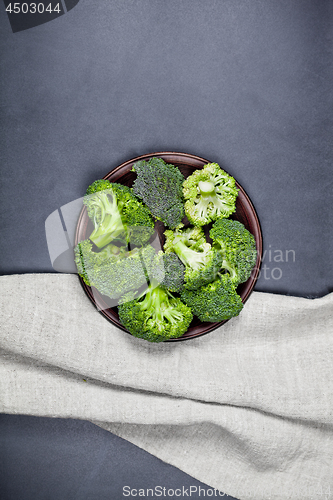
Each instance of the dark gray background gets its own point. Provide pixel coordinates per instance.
(247, 84)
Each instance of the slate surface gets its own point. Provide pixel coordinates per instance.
(245, 84)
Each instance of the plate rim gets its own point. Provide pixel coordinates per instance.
(258, 238)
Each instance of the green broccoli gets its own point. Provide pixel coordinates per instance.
(159, 185)
(117, 214)
(113, 272)
(202, 262)
(83, 255)
(169, 271)
(214, 302)
(210, 194)
(99, 185)
(156, 315)
(237, 247)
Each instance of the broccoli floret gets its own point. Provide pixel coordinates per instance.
(117, 214)
(99, 185)
(155, 316)
(85, 257)
(214, 302)
(202, 262)
(169, 271)
(210, 194)
(237, 247)
(159, 185)
(79, 256)
(113, 272)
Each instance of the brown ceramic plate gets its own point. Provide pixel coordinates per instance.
(187, 163)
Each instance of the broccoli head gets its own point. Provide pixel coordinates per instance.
(156, 315)
(215, 301)
(117, 214)
(237, 247)
(159, 185)
(202, 262)
(99, 185)
(86, 259)
(169, 271)
(113, 271)
(210, 194)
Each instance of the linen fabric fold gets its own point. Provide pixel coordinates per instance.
(246, 409)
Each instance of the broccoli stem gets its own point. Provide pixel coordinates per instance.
(157, 302)
(207, 196)
(111, 225)
(206, 188)
(213, 201)
(172, 315)
(210, 197)
(189, 257)
(225, 265)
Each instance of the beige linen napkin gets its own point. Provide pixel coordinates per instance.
(246, 409)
